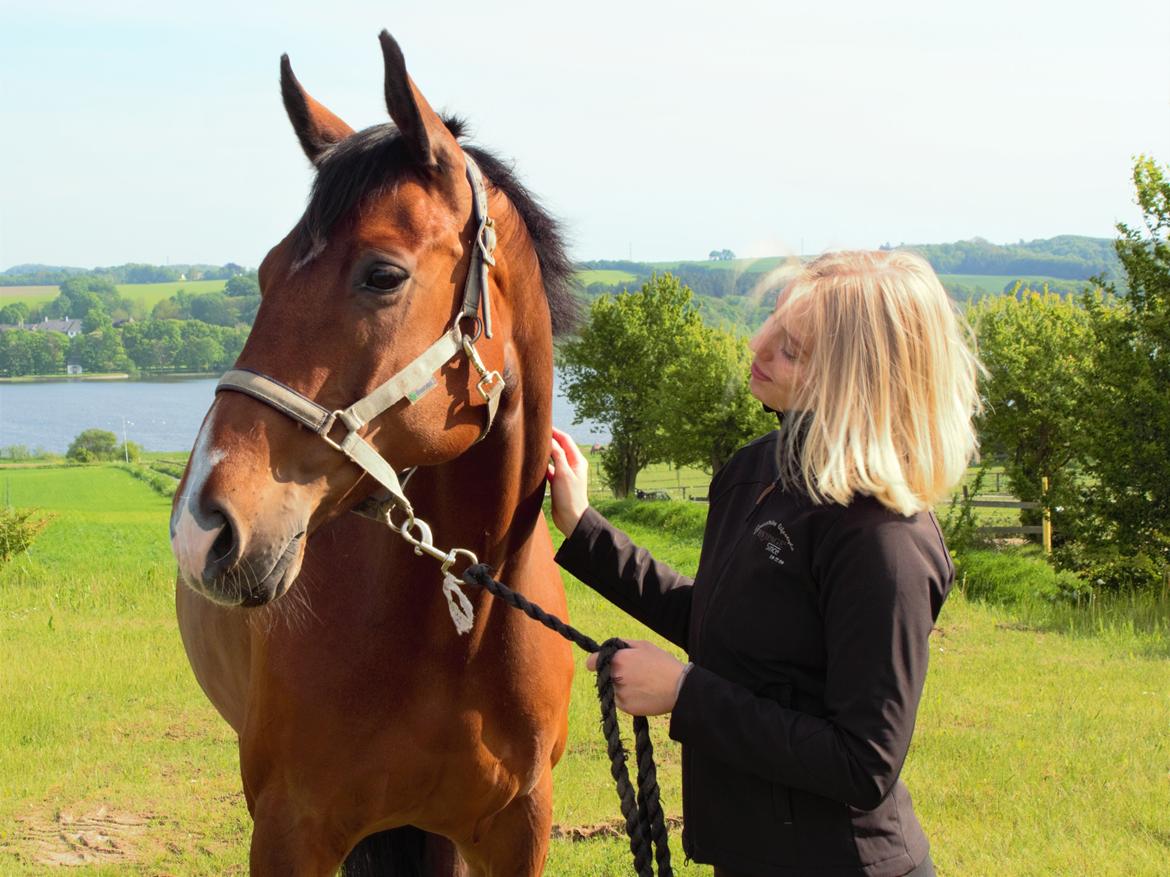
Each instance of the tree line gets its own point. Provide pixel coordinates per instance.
(131, 272)
(185, 332)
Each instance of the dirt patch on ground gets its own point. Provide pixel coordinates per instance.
(612, 828)
(70, 837)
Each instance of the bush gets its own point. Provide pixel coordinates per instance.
(18, 529)
(959, 526)
(155, 481)
(1107, 569)
(93, 444)
(1010, 578)
(683, 520)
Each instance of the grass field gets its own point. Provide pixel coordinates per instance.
(1037, 752)
(149, 294)
(604, 276)
(30, 295)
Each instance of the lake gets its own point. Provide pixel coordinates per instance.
(160, 414)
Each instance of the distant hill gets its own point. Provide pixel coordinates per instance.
(1070, 257)
(131, 272)
(739, 291)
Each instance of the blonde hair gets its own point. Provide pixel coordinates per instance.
(887, 407)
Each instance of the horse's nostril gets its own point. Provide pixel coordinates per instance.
(223, 554)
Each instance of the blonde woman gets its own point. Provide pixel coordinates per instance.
(821, 575)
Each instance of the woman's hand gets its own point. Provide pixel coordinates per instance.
(645, 678)
(568, 477)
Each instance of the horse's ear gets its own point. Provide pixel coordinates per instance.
(316, 127)
(421, 127)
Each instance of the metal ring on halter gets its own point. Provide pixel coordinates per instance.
(454, 554)
(475, 318)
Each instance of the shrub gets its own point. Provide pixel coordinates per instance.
(155, 481)
(683, 520)
(959, 526)
(1107, 569)
(91, 445)
(18, 529)
(1013, 577)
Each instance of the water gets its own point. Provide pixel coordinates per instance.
(161, 415)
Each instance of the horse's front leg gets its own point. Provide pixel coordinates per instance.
(515, 844)
(290, 842)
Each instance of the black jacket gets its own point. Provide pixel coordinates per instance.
(808, 628)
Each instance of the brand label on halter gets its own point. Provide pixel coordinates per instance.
(418, 393)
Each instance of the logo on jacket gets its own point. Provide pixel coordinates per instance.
(775, 540)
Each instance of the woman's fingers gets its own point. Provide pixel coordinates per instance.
(572, 453)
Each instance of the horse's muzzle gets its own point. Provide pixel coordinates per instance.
(219, 561)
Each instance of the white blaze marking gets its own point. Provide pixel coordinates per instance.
(191, 542)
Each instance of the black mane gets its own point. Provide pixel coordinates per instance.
(369, 160)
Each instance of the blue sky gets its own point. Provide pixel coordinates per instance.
(154, 132)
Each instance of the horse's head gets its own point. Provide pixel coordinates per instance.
(372, 277)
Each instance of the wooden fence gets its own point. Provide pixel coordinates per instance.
(1043, 530)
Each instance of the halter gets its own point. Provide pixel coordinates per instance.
(412, 382)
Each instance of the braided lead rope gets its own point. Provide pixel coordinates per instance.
(645, 824)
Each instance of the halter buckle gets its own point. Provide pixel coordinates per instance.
(327, 427)
(495, 385)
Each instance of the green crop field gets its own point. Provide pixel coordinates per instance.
(149, 294)
(604, 276)
(1037, 751)
(29, 295)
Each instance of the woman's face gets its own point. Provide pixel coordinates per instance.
(782, 351)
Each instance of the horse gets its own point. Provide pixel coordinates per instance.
(373, 736)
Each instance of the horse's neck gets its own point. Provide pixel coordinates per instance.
(489, 498)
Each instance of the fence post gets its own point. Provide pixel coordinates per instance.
(1047, 533)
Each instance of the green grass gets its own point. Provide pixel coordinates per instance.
(30, 295)
(149, 294)
(1042, 746)
(601, 275)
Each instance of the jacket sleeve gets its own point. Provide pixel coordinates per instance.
(880, 586)
(604, 558)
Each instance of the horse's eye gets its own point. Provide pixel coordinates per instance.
(384, 278)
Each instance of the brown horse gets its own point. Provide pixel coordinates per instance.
(366, 723)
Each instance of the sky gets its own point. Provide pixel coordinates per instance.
(154, 132)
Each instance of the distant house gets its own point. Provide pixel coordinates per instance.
(69, 327)
(73, 368)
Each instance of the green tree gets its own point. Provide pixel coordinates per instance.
(16, 352)
(47, 350)
(153, 345)
(242, 284)
(213, 308)
(1129, 410)
(1039, 353)
(713, 413)
(14, 314)
(201, 350)
(620, 371)
(93, 444)
(101, 351)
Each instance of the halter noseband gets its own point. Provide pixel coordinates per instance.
(413, 381)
